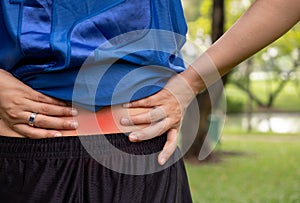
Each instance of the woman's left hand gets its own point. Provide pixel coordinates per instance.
(168, 107)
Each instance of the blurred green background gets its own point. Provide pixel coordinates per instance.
(257, 157)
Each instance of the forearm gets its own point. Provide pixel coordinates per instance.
(264, 22)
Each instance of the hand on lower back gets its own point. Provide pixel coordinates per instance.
(17, 103)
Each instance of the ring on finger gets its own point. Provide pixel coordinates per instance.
(31, 119)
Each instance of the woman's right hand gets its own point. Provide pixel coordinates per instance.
(18, 101)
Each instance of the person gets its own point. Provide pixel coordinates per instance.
(264, 22)
(62, 142)
(165, 108)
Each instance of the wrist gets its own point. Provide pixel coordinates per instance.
(193, 80)
(201, 73)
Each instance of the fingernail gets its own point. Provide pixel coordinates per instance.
(133, 137)
(162, 161)
(126, 105)
(73, 124)
(58, 134)
(62, 104)
(125, 121)
(74, 112)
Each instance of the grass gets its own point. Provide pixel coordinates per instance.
(264, 169)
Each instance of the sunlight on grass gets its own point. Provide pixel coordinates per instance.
(254, 169)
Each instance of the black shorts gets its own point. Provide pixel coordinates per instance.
(65, 170)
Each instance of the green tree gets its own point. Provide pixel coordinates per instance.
(213, 10)
(280, 62)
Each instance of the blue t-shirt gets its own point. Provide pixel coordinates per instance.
(92, 52)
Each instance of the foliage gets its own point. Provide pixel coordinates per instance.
(200, 26)
(280, 61)
(286, 96)
(235, 105)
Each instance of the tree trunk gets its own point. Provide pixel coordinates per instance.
(204, 100)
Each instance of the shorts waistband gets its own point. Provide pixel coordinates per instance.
(76, 146)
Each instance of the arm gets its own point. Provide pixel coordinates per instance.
(264, 22)
(18, 101)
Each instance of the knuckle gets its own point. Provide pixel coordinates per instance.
(152, 117)
(144, 132)
(45, 109)
(160, 129)
(41, 134)
(174, 123)
(31, 136)
(66, 111)
(17, 102)
(168, 151)
(29, 133)
(65, 125)
(134, 103)
(133, 120)
(143, 136)
(48, 134)
(167, 123)
(177, 119)
(148, 102)
(12, 114)
(42, 122)
(14, 127)
(163, 112)
(140, 119)
(40, 97)
(155, 117)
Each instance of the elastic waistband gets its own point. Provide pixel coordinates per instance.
(76, 146)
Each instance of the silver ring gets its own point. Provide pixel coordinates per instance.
(31, 119)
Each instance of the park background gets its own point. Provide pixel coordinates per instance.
(256, 153)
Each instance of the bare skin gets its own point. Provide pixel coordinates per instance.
(263, 23)
(18, 101)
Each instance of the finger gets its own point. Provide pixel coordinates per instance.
(49, 109)
(170, 146)
(49, 122)
(35, 133)
(44, 121)
(156, 114)
(39, 97)
(146, 102)
(149, 132)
